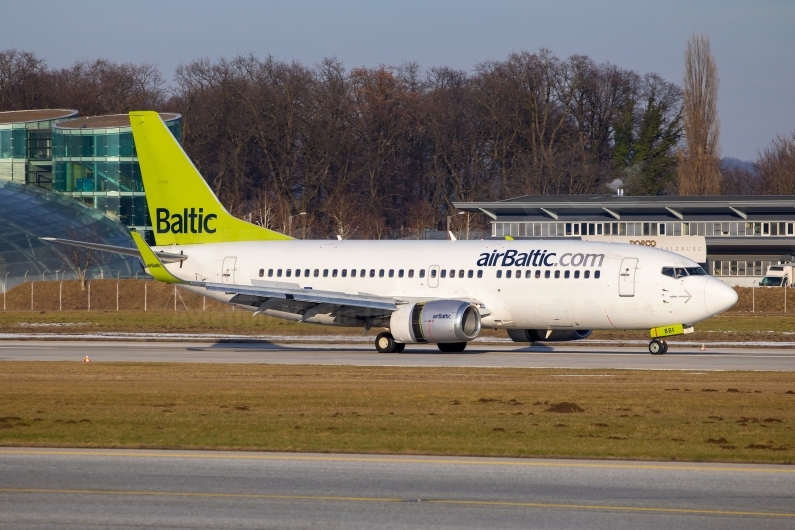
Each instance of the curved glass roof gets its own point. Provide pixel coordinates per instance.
(28, 213)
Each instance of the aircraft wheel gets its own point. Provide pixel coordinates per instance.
(665, 348)
(384, 343)
(452, 347)
(399, 347)
(656, 347)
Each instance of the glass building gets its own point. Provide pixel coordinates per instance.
(26, 145)
(95, 162)
(29, 212)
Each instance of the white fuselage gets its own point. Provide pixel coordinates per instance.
(561, 285)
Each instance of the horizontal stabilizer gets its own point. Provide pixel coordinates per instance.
(165, 257)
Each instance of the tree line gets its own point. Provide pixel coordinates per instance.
(384, 151)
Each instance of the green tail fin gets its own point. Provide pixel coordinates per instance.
(183, 208)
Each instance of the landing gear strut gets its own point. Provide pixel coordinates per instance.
(385, 343)
(658, 347)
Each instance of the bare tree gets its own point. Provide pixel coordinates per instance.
(699, 163)
(776, 166)
(82, 258)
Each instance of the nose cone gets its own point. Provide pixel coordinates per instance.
(718, 296)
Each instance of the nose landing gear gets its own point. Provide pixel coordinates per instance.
(658, 347)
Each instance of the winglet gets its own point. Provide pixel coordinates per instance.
(152, 263)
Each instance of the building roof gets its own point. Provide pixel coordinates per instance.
(111, 120)
(23, 116)
(613, 206)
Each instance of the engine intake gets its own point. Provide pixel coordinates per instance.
(540, 335)
(436, 321)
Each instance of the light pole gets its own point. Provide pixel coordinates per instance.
(290, 228)
(43, 273)
(449, 218)
(26, 276)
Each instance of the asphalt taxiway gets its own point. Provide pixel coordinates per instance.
(63, 488)
(577, 355)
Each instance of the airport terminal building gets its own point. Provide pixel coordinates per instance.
(743, 234)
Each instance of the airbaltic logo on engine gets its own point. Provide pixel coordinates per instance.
(538, 258)
(442, 315)
(189, 222)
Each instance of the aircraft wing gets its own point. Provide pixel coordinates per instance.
(272, 297)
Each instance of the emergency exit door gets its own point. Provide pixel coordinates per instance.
(626, 277)
(228, 269)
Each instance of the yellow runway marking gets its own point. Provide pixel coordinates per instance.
(393, 460)
(515, 504)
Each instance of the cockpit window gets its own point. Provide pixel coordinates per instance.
(696, 271)
(680, 272)
(668, 271)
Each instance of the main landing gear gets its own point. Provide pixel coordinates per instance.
(658, 347)
(385, 343)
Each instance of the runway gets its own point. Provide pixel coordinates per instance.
(576, 355)
(41, 488)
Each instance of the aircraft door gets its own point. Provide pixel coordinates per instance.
(228, 269)
(626, 277)
(433, 276)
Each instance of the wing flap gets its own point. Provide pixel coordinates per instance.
(364, 301)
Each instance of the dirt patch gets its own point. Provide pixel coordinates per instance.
(565, 407)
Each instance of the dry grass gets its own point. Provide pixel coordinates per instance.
(716, 416)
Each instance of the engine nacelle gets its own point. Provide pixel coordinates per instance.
(540, 335)
(437, 321)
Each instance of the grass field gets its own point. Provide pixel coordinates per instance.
(715, 416)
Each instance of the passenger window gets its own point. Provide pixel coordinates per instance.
(422, 273)
(297, 273)
(452, 273)
(499, 274)
(469, 273)
(278, 273)
(306, 273)
(518, 274)
(288, 272)
(334, 273)
(507, 273)
(381, 273)
(668, 271)
(596, 274)
(411, 273)
(461, 273)
(480, 273)
(527, 274)
(270, 273)
(362, 273)
(538, 274)
(261, 273)
(566, 274)
(443, 273)
(587, 274)
(344, 273)
(433, 273)
(317, 273)
(546, 274)
(576, 274)
(372, 273)
(325, 273)
(557, 274)
(353, 273)
(400, 273)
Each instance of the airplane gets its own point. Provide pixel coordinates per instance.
(418, 292)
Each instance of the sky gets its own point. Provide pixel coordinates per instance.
(753, 41)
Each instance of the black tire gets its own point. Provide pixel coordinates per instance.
(384, 343)
(665, 348)
(452, 347)
(656, 347)
(399, 347)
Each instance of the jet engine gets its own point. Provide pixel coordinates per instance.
(438, 321)
(542, 335)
